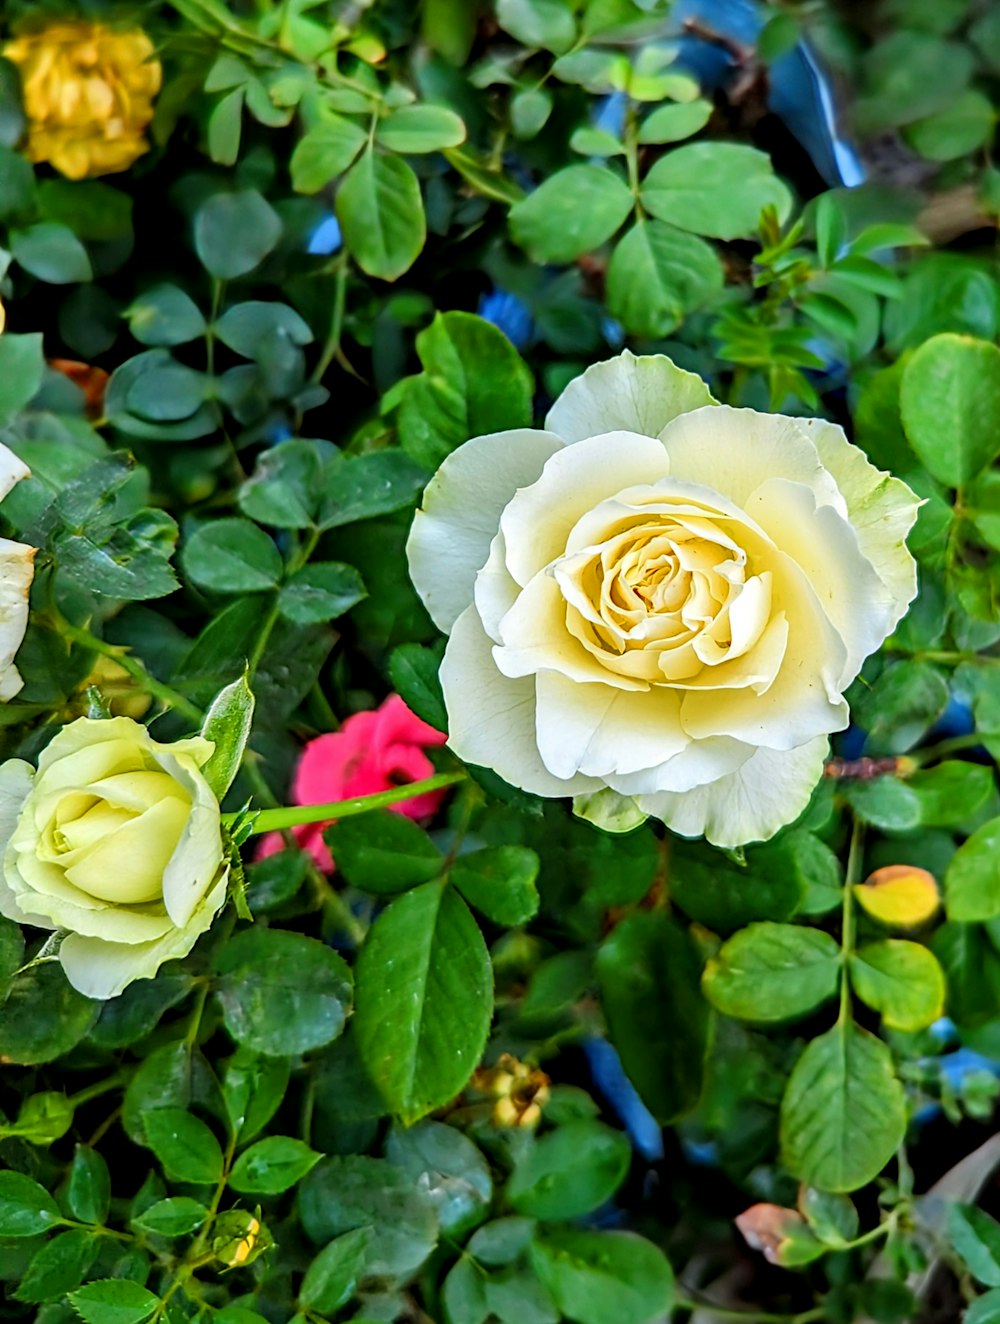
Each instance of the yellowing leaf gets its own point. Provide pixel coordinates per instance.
(899, 895)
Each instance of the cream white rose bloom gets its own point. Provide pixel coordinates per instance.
(16, 571)
(660, 598)
(115, 840)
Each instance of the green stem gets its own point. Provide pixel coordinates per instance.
(95, 1091)
(854, 861)
(335, 908)
(146, 680)
(331, 347)
(276, 820)
(945, 747)
(263, 639)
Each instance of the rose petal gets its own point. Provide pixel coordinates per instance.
(626, 394)
(492, 718)
(451, 535)
(769, 790)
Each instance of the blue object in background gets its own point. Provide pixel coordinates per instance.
(800, 92)
(509, 314)
(623, 1099)
(326, 238)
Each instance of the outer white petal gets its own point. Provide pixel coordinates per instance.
(491, 720)
(198, 855)
(16, 572)
(881, 508)
(15, 787)
(103, 969)
(858, 603)
(599, 730)
(537, 522)
(702, 761)
(12, 470)
(451, 535)
(736, 450)
(626, 394)
(751, 804)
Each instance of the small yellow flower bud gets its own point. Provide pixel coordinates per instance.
(88, 95)
(240, 1237)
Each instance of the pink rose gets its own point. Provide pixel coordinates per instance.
(372, 751)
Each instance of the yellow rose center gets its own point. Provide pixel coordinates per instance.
(664, 595)
(114, 838)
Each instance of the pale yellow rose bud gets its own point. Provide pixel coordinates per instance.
(117, 841)
(239, 1238)
(88, 95)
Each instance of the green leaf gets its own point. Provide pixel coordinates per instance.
(381, 215)
(972, 972)
(657, 275)
(43, 1017)
(225, 127)
(174, 1075)
(420, 128)
(832, 1218)
(669, 124)
(570, 1171)
(413, 670)
(959, 128)
(725, 897)
(332, 1277)
(11, 953)
(452, 1168)
(51, 252)
(984, 1310)
(325, 152)
(901, 980)
(88, 1191)
(952, 792)
(773, 972)
(530, 109)
(976, 1238)
(604, 1277)
(909, 75)
(59, 1267)
(26, 1209)
(500, 882)
(174, 1217)
(272, 1165)
(248, 328)
(950, 403)
(21, 367)
(972, 883)
(425, 998)
(320, 592)
(649, 971)
(234, 232)
(573, 212)
(227, 724)
(843, 1114)
(184, 1145)
(345, 1194)
(165, 315)
(128, 390)
(382, 852)
(717, 189)
(463, 1295)
(231, 556)
(364, 486)
(286, 485)
(885, 803)
(91, 209)
(546, 23)
(901, 705)
(113, 1301)
(474, 382)
(282, 993)
(253, 1088)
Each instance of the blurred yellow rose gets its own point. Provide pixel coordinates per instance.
(116, 840)
(88, 95)
(657, 603)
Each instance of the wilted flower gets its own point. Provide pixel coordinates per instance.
(658, 602)
(88, 95)
(116, 840)
(372, 752)
(520, 1091)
